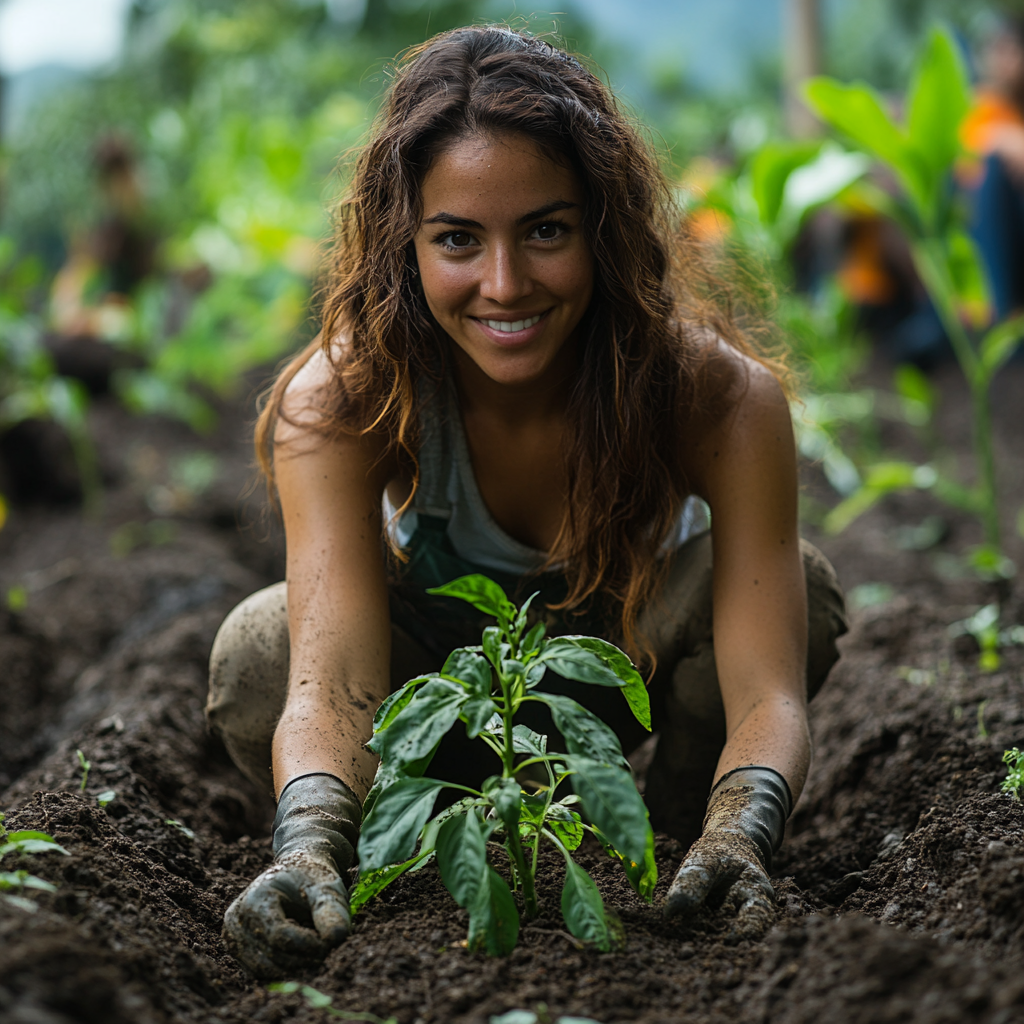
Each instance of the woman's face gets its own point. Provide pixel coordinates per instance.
(504, 265)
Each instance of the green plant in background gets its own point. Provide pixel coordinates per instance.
(22, 844)
(85, 765)
(921, 154)
(317, 1000)
(1014, 761)
(983, 625)
(485, 687)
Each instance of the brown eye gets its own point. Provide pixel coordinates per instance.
(460, 239)
(548, 231)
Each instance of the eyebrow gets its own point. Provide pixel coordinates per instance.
(465, 222)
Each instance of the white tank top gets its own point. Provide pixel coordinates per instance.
(448, 490)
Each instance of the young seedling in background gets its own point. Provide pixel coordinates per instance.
(317, 1000)
(24, 843)
(484, 687)
(921, 154)
(85, 766)
(1014, 761)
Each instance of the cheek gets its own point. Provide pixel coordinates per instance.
(444, 284)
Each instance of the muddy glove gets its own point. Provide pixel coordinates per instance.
(743, 827)
(297, 910)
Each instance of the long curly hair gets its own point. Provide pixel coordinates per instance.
(660, 298)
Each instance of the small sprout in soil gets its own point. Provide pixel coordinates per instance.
(317, 1000)
(85, 766)
(1014, 761)
(183, 829)
(484, 687)
(106, 797)
(983, 625)
(17, 598)
(23, 843)
(982, 728)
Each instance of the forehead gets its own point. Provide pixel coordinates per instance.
(492, 177)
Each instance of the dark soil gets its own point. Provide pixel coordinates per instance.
(900, 889)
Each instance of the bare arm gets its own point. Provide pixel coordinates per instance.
(337, 596)
(748, 473)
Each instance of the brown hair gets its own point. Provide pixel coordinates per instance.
(657, 297)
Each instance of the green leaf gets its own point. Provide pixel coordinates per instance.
(30, 842)
(967, 272)
(610, 800)
(643, 876)
(476, 886)
(535, 673)
(483, 594)
(999, 344)
(635, 691)
(859, 112)
(881, 479)
(770, 169)
(371, 883)
(522, 615)
(938, 101)
(571, 661)
(462, 856)
(532, 639)
(388, 774)
(524, 740)
(566, 825)
(395, 702)
(470, 668)
(390, 830)
(585, 734)
(507, 797)
(418, 728)
(476, 713)
(585, 914)
(493, 918)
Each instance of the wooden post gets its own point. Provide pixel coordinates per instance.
(802, 48)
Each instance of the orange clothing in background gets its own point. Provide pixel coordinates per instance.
(990, 113)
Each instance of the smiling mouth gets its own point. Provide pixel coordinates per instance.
(511, 326)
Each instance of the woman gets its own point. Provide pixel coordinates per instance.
(519, 356)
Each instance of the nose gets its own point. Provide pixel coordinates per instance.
(506, 279)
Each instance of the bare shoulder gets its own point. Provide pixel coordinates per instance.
(743, 415)
(307, 419)
(305, 396)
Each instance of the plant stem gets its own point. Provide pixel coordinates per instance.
(934, 271)
(514, 844)
(986, 460)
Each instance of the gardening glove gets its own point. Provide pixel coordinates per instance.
(297, 910)
(743, 827)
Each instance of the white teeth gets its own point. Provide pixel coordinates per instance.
(511, 326)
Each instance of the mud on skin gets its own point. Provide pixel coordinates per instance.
(900, 890)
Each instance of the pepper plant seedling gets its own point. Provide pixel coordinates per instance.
(26, 842)
(484, 687)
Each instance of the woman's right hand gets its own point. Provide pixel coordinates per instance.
(297, 910)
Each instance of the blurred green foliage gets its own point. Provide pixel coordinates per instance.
(920, 153)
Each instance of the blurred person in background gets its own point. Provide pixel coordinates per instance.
(91, 298)
(993, 135)
(525, 370)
